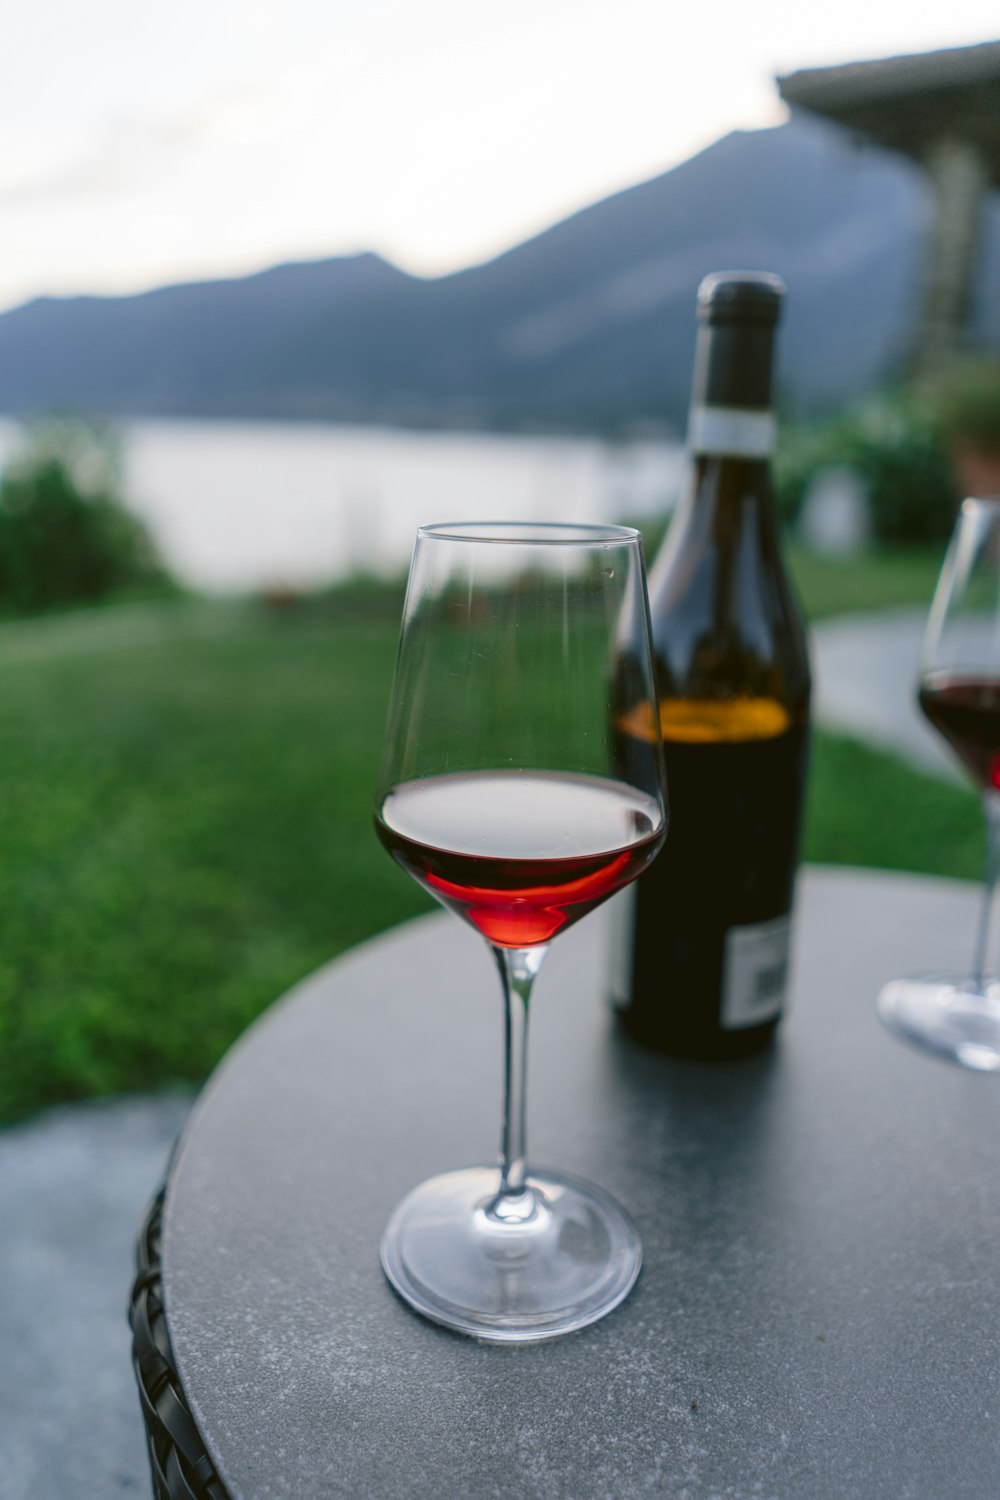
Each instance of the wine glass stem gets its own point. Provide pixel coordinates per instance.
(518, 967)
(991, 805)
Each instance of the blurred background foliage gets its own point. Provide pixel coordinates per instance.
(963, 400)
(65, 536)
(896, 451)
(910, 448)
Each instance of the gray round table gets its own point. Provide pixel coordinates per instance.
(818, 1311)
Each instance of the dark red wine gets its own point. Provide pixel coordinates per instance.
(966, 710)
(520, 854)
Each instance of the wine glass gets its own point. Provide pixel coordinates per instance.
(958, 1016)
(506, 793)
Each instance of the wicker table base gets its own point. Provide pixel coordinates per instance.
(180, 1467)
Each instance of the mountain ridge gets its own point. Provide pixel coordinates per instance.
(590, 322)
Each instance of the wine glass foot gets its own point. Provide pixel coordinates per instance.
(560, 1259)
(953, 1018)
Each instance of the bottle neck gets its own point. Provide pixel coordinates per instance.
(731, 414)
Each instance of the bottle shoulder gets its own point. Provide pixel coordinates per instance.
(723, 612)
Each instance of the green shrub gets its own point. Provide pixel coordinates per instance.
(964, 400)
(896, 448)
(65, 536)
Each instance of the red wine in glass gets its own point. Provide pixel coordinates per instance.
(965, 709)
(520, 854)
(501, 792)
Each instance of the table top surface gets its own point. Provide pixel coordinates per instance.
(818, 1307)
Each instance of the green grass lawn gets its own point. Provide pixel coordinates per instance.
(877, 580)
(186, 826)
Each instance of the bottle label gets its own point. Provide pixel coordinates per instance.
(754, 973)
(621, 947)
(731, 432)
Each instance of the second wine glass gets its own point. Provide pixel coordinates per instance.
(957, 1016)
(506, 793)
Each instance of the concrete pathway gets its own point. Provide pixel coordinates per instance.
(865, 668)
(74, 1183)
(73, 1187)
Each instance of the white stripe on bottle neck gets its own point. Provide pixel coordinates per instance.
(731, 432)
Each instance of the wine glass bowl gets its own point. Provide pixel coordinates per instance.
(464, 837)
(957, 1016)
(503, 793)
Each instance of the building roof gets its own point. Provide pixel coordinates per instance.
(909, 103)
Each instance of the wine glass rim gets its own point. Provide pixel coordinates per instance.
(530, 533)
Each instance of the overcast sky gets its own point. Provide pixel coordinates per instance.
(142, 143)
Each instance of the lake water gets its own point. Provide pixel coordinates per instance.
(237, 505)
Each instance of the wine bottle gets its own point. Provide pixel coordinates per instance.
(703, 940)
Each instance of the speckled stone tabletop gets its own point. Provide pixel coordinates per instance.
(818, 1311)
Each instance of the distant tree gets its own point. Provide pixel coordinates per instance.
(65, 535)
